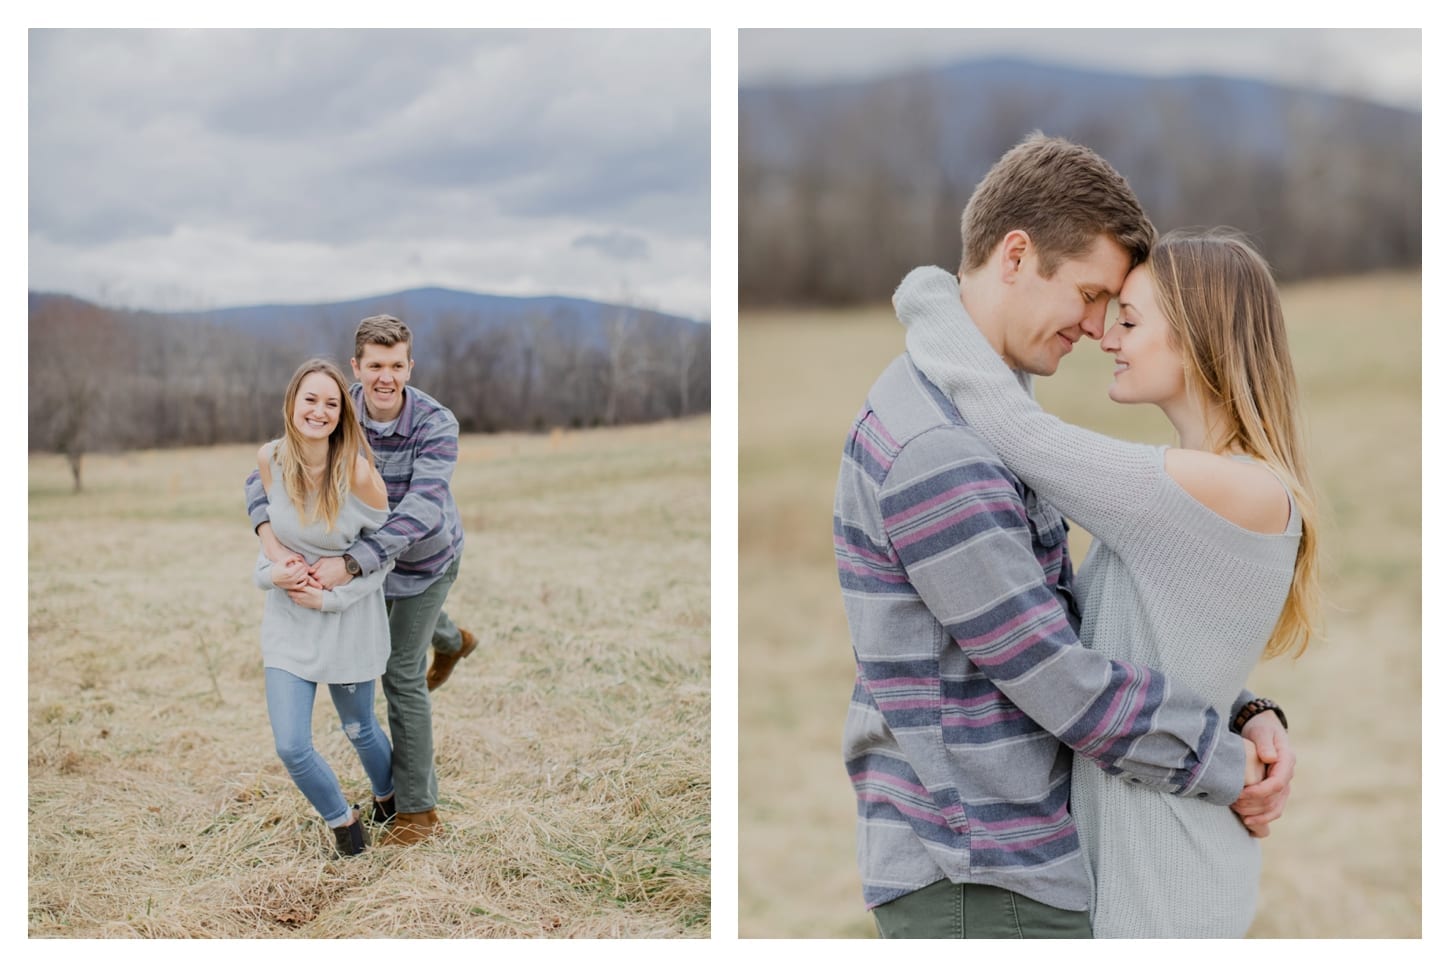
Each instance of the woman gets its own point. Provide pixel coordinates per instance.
(1204, 556)
(322, 492)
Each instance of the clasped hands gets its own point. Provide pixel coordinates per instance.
(1268, 769)
(305, 584)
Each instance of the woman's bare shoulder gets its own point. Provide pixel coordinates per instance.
(1244, 493)
(368, 484)
(264, 462)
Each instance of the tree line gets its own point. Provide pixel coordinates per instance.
(841, 195)
(102, 379)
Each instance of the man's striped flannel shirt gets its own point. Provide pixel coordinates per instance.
(972, 692)
(423, 534)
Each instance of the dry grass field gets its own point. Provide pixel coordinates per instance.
(572, 746)
(1346, 859)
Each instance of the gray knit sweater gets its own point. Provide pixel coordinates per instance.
(1167, 583)
(348, 640)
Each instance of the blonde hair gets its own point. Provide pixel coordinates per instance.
(1222, 306)
(346, 441)
(1063, 195)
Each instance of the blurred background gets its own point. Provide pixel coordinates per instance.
(858, 151)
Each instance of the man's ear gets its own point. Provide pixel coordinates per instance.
(1014, 247)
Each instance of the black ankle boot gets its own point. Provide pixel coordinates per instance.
(384, 811)
(351, 839)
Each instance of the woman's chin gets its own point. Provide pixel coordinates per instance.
(1121, 394)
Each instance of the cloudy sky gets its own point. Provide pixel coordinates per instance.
(1381, 65)
(174, 169)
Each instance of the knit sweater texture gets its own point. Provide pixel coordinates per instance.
(1167, 583)
(348, 640)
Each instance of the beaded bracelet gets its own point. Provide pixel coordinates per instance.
(1253, 708)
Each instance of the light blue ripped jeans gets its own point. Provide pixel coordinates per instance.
(289, 706)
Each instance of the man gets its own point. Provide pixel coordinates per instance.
(415, 444)
(972, 690)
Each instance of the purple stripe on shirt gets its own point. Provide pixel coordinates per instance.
(943, 498)
(879, 429)
(1129, 691)
(1017, 846)
(1004, 630)
(906, 538)
(936, 819)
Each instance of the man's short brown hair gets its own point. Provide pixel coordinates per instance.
(381, 331)
(1063, 195)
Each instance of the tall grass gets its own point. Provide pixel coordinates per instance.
(1345, 861)
(572, 747)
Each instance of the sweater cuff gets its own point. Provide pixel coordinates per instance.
(262, 573)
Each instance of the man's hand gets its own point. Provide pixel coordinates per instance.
(330, 572)
(281, 556)
(308, 597)
(1263, 802)
(291, 574)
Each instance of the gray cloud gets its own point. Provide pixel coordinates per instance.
(352, 141)
(615, 245)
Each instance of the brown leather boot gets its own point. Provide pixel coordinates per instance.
(443, 662)
(410, 828)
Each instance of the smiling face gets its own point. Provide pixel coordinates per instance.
(383, 372)
(1148, 367)
(317, 406)
(1047, 315)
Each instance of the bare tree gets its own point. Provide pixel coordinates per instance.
(692, 346)
(621, 332)
(74, 356)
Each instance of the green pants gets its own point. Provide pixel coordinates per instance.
(445, 635)
(412, 623)
(974, 911)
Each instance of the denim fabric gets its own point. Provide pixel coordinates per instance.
(289, 706)
(410, 710)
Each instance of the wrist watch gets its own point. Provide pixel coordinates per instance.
(353, 567)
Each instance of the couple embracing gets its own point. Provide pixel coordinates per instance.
(1038, 756)
(360, 543)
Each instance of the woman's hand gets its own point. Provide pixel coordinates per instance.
(1263, 803)
(308, 597)
(291, 574)
(1253, 765)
